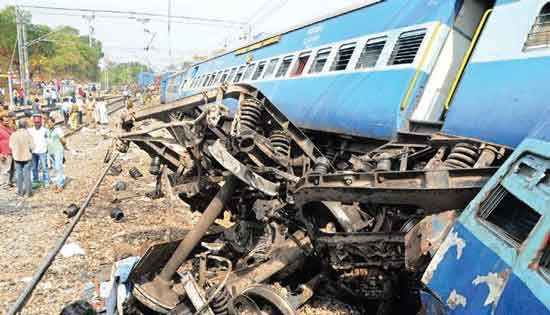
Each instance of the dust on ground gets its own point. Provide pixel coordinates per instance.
(31, 227)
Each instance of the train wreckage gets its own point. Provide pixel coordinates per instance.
(308, 210)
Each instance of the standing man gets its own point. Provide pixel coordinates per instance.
(6, 159)
(22, 145)
(56, 148)
(101, 108)
(66, 109)
(39, 136)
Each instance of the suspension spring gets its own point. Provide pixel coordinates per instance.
(322, 166)
(220, 303)
(463, 155)
(250, 112)
(280, 143)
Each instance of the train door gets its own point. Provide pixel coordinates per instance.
(448, 56)
(496, 260)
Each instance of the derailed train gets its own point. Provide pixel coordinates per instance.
(341, 145)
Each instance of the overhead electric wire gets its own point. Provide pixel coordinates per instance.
(135, 13)
(236, 26)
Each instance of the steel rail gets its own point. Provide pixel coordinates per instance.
(46, 263)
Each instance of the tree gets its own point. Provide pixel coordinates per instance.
(63, 54)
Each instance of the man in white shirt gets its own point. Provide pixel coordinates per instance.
(39, 136)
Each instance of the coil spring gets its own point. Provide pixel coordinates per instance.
(280, 143)
(322, 166)
(220, 303)
(463, 155)
(250, 112)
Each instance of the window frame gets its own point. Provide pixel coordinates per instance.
(259, 71)
(543, 12)
(305, 54)
(498, 231)
(273, 63)
(232, 74)
(278, 74)
(419, 51)
(342, 47)
(240, 70)
(372, 41)
(248, 75)
(321, 51)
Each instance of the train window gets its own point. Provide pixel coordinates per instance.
(320, 60)
(249, 71)
(232, 75)
(407, 47)
(302, 62)
(539, 36)
(371, 53)
(285, 65)
(508, 216)
(270, 69)
(259, 71)
(224, 76)
(205, 83)
(211, 80)
(239, 75)
(219, 77)
(343, 57)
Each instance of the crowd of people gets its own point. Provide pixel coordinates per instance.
(32, 147)
(28, 151)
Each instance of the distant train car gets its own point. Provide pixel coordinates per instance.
(169, 86)
(366, 70)
(496, 259)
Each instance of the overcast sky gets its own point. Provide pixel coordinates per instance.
(125, 39)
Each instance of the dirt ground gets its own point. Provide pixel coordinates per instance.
(31, 227)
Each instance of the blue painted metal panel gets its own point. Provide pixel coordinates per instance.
(501, 101)
(378, 18)
(145, 79)
(473, 253)
(366, 104)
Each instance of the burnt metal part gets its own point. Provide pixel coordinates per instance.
(135, 173)
(430, 190)
(117, 214)
(220, 154)
(71, 210)
(259, 300)
(158, 293)
(359, 200)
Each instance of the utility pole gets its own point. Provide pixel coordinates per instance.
(23, 52)
(170, 30)
(91, 30)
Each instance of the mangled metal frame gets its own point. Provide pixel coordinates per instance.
(403, 181)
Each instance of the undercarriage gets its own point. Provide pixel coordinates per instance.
(304, 211)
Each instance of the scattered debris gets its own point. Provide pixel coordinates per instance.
(135, 173)
(117, 214)
(120, 186)
(72, 249)
(78, 308)
(71, 210)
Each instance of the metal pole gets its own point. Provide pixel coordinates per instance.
(10, 89)
(25, 295)
(20, 45)
(191, 240)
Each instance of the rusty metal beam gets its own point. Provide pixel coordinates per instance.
(435, 190)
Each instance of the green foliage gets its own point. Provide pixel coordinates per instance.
(62, 54)
(123, 73)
